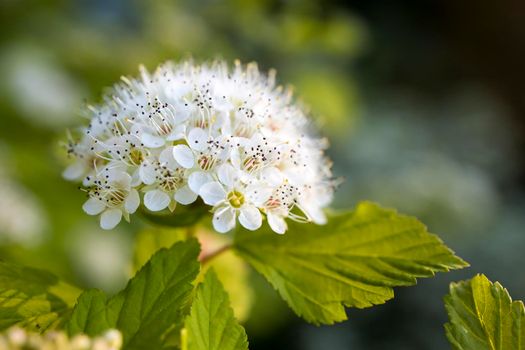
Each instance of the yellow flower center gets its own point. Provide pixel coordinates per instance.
(236, 199)
(136, 156)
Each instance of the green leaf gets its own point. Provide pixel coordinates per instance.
(211, 324)
(90, 315)
(33, 298)
(154, 300)
(354, 260)
(483, 316)
(233, 272)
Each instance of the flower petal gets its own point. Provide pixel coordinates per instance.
(224, 219)
(235, 157)
(314, 212)
(227, 175)
(89, 180)
(197, 139)
(250, 217)
(74, 171)
(272, 176)
(197, 179)
(120, 177)
(132, 201)
(212, 193)
(147, 173)
(177, 133)
(93, 206)
(135, 178)
(184, 156)
(277, 223)
(182, 112)
(258, 194)
(185, 195)
(110, 218)
(166, 158)
(156, 200)
(152, 141)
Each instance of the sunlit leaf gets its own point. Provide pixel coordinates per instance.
(154, 301)
(355, 260)
(234, 275)
(90, 315)
(33, 298)
(484, 317)
(211, 324)
(232, 271)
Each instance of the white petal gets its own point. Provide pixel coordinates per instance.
(235, 158)
(272, 176)
(93, 206)
(182, 113)
(277, 223)
(324, 196)
(89, 180)
(184, 156)
(152, 141)
(132, 201)
(259, 194)
(319, 216)
(166, 158)
(115, 168)
(224, 219)
(110, 218)
(212, 193)
(197, 139)
(244, 142)
(185, 195)
(314, 212)
(227, 175)
(156, 200)
(135, 178)
(74, 171)
(197, 179)
(120, 177)
(147, 173)
(177, 133)
(250, 217)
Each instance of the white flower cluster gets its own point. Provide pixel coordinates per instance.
(231, 137)
(18, 339)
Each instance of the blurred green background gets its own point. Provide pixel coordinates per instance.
(423, 101)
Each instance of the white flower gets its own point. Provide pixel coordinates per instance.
(231, 137)
(202, 154)
(230, 197)
(84, 159)
(169, 184)
(112, 197)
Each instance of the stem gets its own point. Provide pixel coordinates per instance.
(190, 232)
(207, 257)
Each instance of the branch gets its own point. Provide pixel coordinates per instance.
(207, 257)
